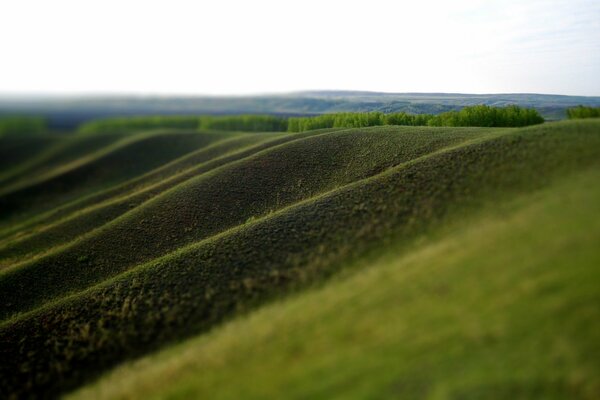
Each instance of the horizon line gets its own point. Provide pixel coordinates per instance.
(124, 94)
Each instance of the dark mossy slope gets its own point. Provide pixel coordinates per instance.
(119, 162)
(17, 152)
(76, 218)
(58, 153)
(218, 200)
(98, 209)
(225, 148)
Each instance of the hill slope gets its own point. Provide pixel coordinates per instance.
(243, 227)
(121, 160)
(215, 201)
(495, 308)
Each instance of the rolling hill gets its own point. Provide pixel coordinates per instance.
(414, 261)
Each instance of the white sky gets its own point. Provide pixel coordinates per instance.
(262, 46)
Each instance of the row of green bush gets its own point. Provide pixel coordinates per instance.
(21, 125)
(124, 124)
(510, 116)
(583, 112)
(480, 115)
(245, 123)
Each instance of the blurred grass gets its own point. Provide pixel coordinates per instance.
(502, 307)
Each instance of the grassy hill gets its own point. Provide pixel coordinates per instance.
(81, 174)
(410, 251)
(441, 319)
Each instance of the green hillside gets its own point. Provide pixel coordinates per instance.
(441, 319)
(425, 262)
(121, 160)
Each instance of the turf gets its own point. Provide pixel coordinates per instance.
(247, 227)
(16, 153)
(82, 216)
(213, 202)
(504, 306)
(232, 147)
(122, 160)
(27, 157)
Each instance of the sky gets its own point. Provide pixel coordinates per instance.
(229, 47)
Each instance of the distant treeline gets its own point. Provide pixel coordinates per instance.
(125, 124)
(482, 115)
(355, 120)
(245, 123)
(583, 112)
(21, 125)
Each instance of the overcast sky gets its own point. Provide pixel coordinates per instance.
(260, 46)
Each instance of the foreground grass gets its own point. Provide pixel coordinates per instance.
(504, 307)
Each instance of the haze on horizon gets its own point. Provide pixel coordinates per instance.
(236, 47)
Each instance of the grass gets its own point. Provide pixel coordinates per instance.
(265, 220)
(82, 216)
(222, 198)
(503, 306)
(42, 235)
(222, 151)
(28, 157)
(122, 160)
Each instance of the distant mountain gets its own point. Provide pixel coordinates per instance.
(66, 112)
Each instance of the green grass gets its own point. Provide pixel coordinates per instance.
(21, 125)
(29, 157)
(225, 147)
(480, 115)
(86, 214)
(121, 160)
(583, 112)
(211, 235)
(504, 306)
(231, 123)
(216, 144)
(474, 115)
(215, 201)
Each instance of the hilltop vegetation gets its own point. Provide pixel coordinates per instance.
(583, 112)
(163, 235)
(133, 124)
(480, 115)
(241, 123)
(244, 123)
(21, 125)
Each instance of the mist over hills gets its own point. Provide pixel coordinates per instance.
(66, 112)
